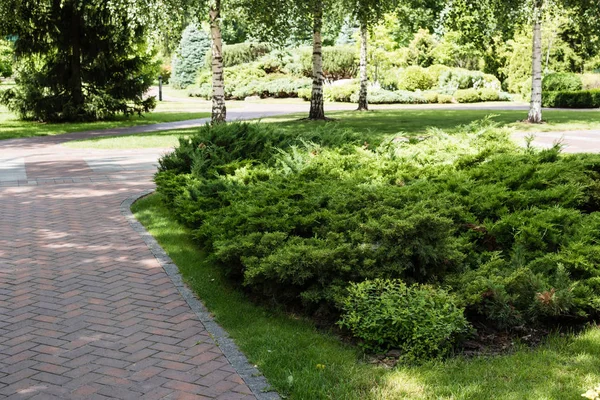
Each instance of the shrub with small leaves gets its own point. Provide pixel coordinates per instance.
(421, 321)
(415, 78)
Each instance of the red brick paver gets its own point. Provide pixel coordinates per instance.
(86, 311)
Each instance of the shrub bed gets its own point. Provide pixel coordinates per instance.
(296, 219)
(576, 99)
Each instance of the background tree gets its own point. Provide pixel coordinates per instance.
(367, 13)
(190, 56)
(77, 60)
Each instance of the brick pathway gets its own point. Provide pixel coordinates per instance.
(86, 311)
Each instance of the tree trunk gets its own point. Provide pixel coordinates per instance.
(219, 111)
(363, 104)
(535, 109)
(317, 109)
(76, 86)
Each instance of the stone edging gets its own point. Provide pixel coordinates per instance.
(250, 374)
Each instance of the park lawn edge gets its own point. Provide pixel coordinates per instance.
(304, 363)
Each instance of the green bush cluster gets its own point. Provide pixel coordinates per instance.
(246, 80)
(458, 78)
(574, 99)
(421, 321)
(562, 81)
(296, 218)
(415, 78)
(6, 59)
(238, 54)
(474, 95)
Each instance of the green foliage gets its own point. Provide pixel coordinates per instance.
(6, 59)
(421, 47)
(339, 62)
(241, 53)
(431, 97)
(415, 78)
(382, 96)
(574, 99)
(511, 232)
(445, 98)
(341, 93)
(458, 78)
(562, 81)
(467, 96)
(102, 70)
(421, 321)
(189, 56)
(246, 80)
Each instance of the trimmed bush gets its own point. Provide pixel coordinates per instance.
(578, 99)
(421, 321)
(341, 93)
(436, 71)
(382, 96)
(415, 78)
(489, 95)
(562, 81)
(467, 96)
(189, 56)
(458, 78)
(445, 99)
(431, 97)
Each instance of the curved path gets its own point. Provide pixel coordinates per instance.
(86, 310)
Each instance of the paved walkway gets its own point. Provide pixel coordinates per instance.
(86, 310)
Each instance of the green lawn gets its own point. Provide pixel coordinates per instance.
(11, 127)
(287, 348)
(375, 125)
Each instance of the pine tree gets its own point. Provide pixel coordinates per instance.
(77, 59)
(190, 56)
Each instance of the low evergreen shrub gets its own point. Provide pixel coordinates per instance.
(295, 219)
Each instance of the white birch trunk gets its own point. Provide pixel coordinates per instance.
(317, 109)
(535, 109)
(219, 111)
(363, 103)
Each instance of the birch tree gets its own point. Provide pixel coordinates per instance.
(219, 109)
(535, 108)
(367, 13)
